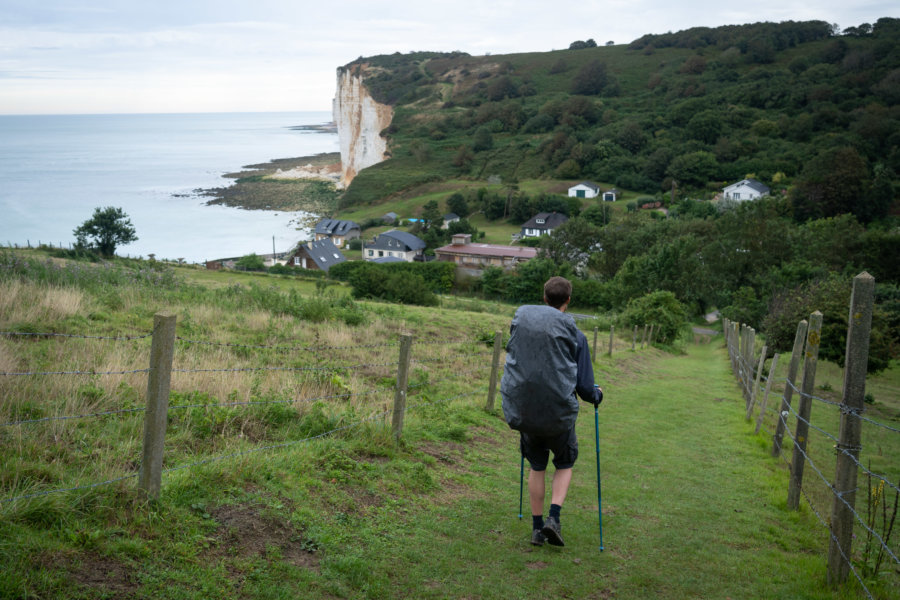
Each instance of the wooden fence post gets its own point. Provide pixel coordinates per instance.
(612, 330)
(765, 399)
(402, 380)
(650, 336)
(759, 370)
(748, 362)
(159, 377)
(633, 338)
(495, 370)
(793, 368)
(804, 408)
(849, 446)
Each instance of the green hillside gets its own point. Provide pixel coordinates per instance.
(685, 111)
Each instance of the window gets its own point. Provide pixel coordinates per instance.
(336, 255)
(540, 221)
(381, 253)
(371, 253)
(736, 196)
(296, 261)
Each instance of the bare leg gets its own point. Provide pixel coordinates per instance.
(559, 488)
(536, 491)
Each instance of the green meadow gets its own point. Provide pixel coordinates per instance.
(283, 479)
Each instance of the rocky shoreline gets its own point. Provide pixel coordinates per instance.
(308, 183)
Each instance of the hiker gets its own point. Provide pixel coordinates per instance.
(547, 362)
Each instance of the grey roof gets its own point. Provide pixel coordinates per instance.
(396, 240)
(324, 253)
(387, 259)
(335, 227)
(551, 221)
(589, 184)
(753, 185)
(451, 217)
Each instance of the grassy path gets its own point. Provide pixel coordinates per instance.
(693, 507)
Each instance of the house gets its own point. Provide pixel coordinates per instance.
(474, 257)
(394, 243)
(542, 224)
(450, 218)
(747, 189)
(610, 195)
(337, 231)
(585, 189)
(320, 255)
(389, 217)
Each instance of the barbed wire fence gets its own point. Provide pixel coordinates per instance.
(457, 362)
(842, 519)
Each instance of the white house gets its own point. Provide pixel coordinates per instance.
(747, 189)
(610, 195)
(585, 189)
(542, 224)
(394, 244)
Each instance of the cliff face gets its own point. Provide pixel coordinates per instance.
(360, 120)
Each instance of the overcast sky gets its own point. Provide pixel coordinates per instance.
(113, 56)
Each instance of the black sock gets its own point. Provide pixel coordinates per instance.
(554, 510)
(537, 521)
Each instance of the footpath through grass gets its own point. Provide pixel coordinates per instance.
(693, 507)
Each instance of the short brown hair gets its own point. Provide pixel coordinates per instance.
(557, 291)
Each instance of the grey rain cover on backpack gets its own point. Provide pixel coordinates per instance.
(538, 385)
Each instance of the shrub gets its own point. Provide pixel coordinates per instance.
(660, 309)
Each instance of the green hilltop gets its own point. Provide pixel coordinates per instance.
(686, 111)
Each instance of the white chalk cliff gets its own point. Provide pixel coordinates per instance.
(360, 121)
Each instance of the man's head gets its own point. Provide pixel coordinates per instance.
(557, 292)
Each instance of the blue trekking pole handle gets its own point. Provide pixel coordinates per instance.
(599, 503)
(521, 483)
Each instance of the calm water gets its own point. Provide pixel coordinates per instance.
(54, 170)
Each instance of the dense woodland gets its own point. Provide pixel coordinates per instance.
(808, 109)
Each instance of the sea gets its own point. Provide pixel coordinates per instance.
(56, 169)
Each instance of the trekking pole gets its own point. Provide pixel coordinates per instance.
(599, 504)
(521, 483)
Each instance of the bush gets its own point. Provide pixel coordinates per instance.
(395, 285)
(660, 309)
(251, 262)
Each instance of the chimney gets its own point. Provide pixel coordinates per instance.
(461, 239)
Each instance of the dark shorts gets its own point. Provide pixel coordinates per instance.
(537, 450)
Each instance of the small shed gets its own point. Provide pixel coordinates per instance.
(611, 195)
(585, 189)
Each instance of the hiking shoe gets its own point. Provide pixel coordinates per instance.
(553, 532)
(537, 537)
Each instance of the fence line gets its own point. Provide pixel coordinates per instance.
(740, 342)
(150, 481)
(25, 373)
(74, 335)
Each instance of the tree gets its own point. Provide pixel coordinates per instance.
(431, 213)
(591, 79)
(597, 214)
(107, 228)
(571, 243)
(457, 204)
(251, 262)
(660, 309)
(482, 140)
(833, 183)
